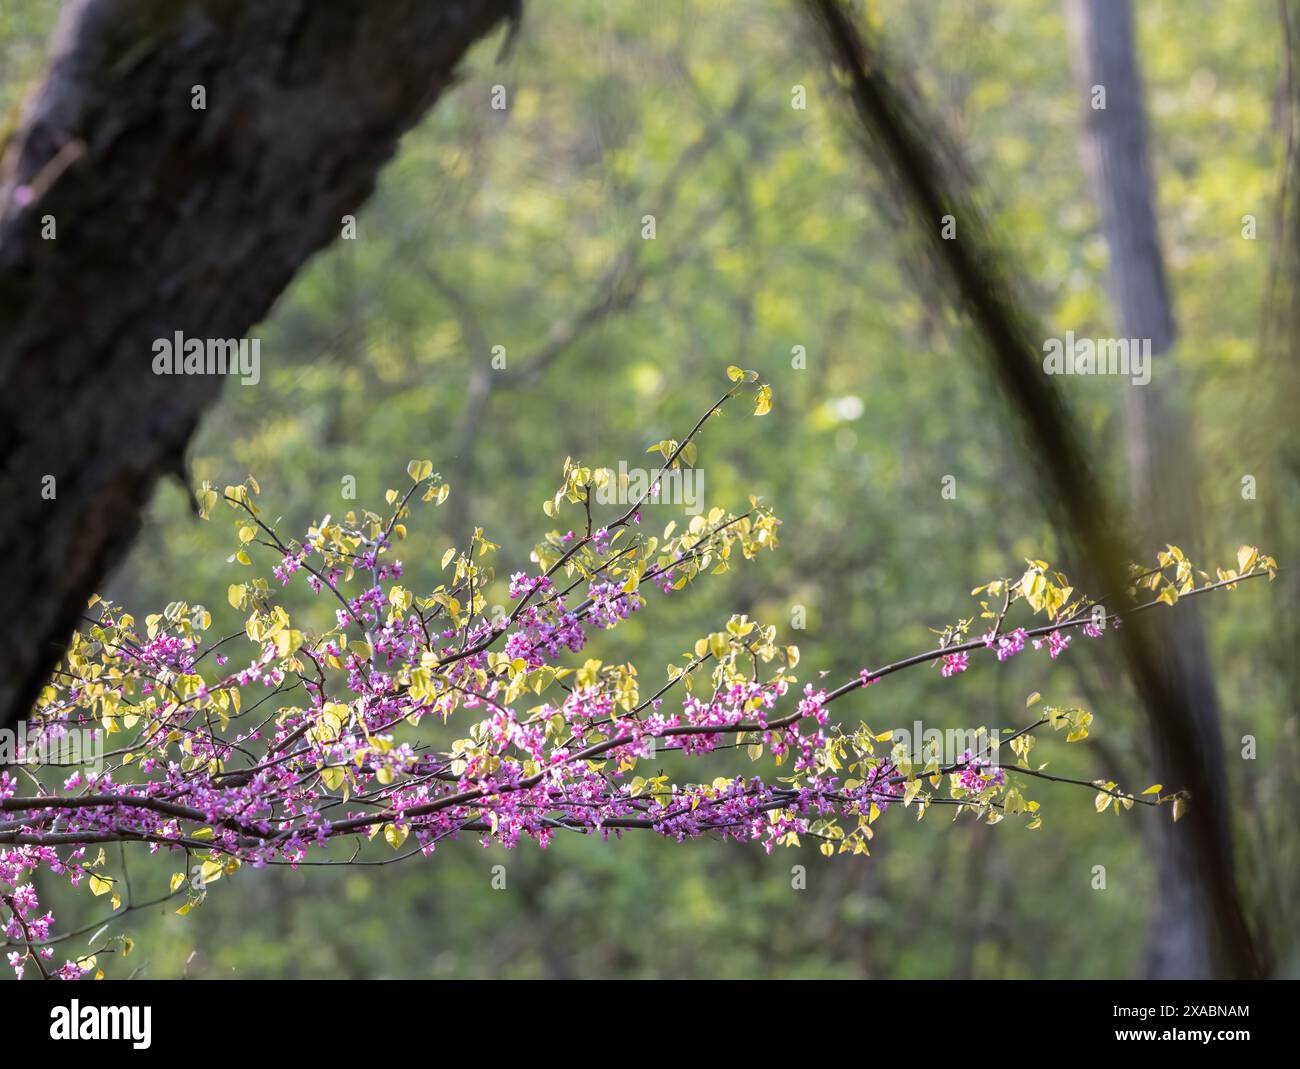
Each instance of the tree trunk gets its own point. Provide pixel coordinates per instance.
(1115, 149)
(170, 218)
(913, 151)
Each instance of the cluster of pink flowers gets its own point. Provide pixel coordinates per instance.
(609, 604)
(522, 584)
(1056, 644)
(972, 779)
(290, 563)
(1006, 646)
(813, 704)
(26, 925)
(665, 579)
(544, 632)
(167, 651)
(738, 703)
(399, 642)
(954, 663)
(883, 786)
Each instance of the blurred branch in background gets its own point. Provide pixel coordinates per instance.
(1273, 802)
(912, 150)
(1161, 453)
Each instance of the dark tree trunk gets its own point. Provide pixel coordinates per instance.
(1115, 149)
(170, 219)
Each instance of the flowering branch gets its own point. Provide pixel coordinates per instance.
(369, 746)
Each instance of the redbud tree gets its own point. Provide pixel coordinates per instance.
(283, 742)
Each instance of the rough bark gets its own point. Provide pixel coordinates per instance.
(170, 219)
(1163, 483)
(911, 149)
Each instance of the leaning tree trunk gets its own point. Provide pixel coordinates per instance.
(913, 152)
(128, 213)
(1115, 149)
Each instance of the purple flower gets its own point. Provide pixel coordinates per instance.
(1007, 646)
(952, 664)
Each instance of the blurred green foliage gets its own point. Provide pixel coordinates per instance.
(522, 228)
